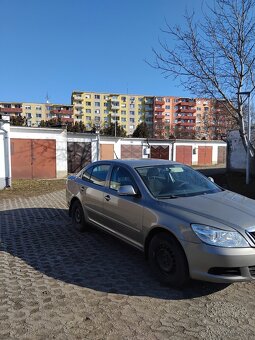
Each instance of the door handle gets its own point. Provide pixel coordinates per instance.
(107, 197)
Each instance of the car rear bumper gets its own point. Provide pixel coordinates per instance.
(217, 264)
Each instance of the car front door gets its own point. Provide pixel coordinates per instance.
(123, 214)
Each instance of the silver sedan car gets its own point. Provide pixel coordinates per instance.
(186, 225)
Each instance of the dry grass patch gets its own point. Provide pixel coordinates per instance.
(29, 188)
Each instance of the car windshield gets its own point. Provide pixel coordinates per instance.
(175, 180)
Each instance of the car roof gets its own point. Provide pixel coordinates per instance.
(134, 163)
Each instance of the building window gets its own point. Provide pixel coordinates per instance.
(97, 96)
(97, 103)
(28, 107)
(38, 108)
(97, 111)
(88, 103)
(132, 106)
(167, 107)
(123, 119)
(88, 110)
(88, 96)
(132, 120)
(123, 99)
(88, 118)
(132, 113)
(38, 115)
(123, 112)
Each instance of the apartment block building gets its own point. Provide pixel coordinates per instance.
(34, 113)
(101, 109)
(189, 118)
(174, 117)
(11, 108)
(166, 116)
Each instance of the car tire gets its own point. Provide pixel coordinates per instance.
(78, 218)
(168, 260)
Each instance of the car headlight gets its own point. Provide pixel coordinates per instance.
(219, 237)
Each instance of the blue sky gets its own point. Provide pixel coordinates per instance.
(57, 46)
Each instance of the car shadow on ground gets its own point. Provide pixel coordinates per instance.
(44, 239)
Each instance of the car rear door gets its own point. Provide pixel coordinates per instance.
(92, 191)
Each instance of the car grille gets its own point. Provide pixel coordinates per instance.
(225, 271)
(252, 271)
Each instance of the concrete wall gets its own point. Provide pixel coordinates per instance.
(237, 153)
(5, 154)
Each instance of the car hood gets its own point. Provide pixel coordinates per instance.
(225, 207)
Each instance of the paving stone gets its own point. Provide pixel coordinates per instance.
(56, 283)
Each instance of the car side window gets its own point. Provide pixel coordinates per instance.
(119, 177)
(97, 174)
(87, 173)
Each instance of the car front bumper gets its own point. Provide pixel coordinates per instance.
(218, 264)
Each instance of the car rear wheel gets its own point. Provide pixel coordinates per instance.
(78, 218)
(168, 261)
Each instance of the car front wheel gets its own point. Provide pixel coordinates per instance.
(168, 261)
(78, 219)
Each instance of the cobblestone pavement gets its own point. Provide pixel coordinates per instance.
(58, 284)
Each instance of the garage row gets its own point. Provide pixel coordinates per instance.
(53, 153)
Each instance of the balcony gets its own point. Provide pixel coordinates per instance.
(61, 111)
(186, 110)
(11, 109)
(187, 117)
(159, 116)
(159, 102)
(77, 97)
(186, 103)
(187, 124)
(159, 109)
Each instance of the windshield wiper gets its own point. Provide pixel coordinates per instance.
(168, 196)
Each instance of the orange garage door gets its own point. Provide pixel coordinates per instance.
(106, 151)
(184, 154)
(33, 158)
(204, 155)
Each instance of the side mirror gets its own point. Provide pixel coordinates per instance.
(126, 190)
(211, 179)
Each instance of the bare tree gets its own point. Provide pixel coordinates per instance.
(214, 58)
